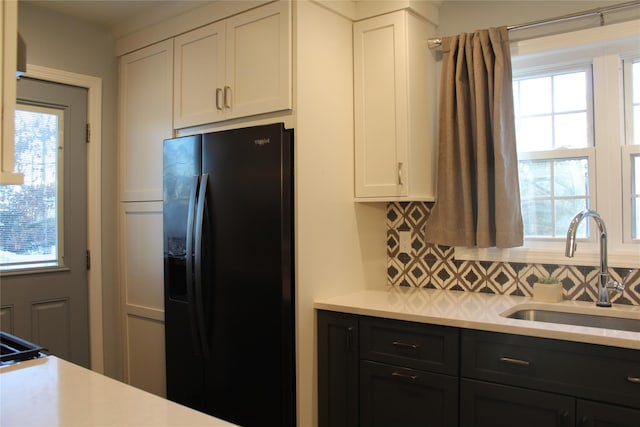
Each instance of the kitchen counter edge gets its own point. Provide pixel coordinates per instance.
(474, 310)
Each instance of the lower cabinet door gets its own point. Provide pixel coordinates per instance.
(337, 369)
(485, 404)
(594, 414)
(391, 396)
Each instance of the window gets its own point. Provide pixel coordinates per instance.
(577, 110)
(30, 214)
(631, 150)
(553, 111)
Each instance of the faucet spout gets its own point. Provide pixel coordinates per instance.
(603, 293)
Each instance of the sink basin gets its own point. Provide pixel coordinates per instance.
(577, 319)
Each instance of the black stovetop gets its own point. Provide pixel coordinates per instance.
(14, 349)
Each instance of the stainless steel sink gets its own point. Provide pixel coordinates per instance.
(578, 319)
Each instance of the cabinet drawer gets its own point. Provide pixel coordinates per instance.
(403, 397)
(486, 404)
(415, 345)
(578, 369)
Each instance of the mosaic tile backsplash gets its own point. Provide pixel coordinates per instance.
(412, 262)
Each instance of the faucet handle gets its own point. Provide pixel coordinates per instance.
(615, 285)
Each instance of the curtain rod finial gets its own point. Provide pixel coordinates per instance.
(434, 42)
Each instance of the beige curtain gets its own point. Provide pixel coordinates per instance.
(478, 196)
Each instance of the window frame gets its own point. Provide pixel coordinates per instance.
(629, 149)
(57, 261)
(607, 46)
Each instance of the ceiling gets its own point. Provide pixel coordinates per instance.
(116, 15)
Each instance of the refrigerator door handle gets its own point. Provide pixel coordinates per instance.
(199, 297)
(189, 279)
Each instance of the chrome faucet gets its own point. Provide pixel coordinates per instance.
(604, 284)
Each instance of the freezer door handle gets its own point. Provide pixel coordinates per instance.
(189, 258)
(198, 301)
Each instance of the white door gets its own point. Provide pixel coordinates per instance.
(43, 223)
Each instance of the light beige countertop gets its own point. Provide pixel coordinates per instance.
(481, 311)
(52, 392)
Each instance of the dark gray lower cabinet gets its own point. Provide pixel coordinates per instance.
(375, 372)
(395, 396)
(337, 370)
(485, 404)
(595, 414)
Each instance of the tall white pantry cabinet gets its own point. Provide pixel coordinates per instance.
(236, 67)
(394, 101)
(146, 81)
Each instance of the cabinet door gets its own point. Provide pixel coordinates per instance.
(199, 81)
(337, 369)
(258, 72)
(486, 404)
(380, 86)
(146, 79)
(593, 414)
(8, 41)
(403, 397)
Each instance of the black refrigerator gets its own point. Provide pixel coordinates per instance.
(229, 274)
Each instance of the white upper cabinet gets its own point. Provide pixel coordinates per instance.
(394, 102)
(8, 62)
(234, 68)
(145, 112)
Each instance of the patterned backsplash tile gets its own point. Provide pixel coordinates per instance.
(412, 262)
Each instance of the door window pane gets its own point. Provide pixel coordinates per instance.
(30, 214)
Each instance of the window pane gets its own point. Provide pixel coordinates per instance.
(636, 124)
(571, 178)
(552, 192)
(535, 178)
(536, 218)
(570, 92)
(29, 212)
(534, 133)
(535, 95)
(636, 78)
(565, 210)
(635, 102)
(635, 197)
(571, 130)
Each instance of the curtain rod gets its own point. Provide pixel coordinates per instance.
(437, 41)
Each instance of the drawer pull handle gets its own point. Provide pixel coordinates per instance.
(635, 380)
(405, 345)
(511, 361)
(405, 376)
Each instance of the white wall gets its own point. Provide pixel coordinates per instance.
(64, 43)
(340, 244)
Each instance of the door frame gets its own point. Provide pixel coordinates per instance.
(94, 196)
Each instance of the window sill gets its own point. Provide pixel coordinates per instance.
(586, 254)
(32, 270)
